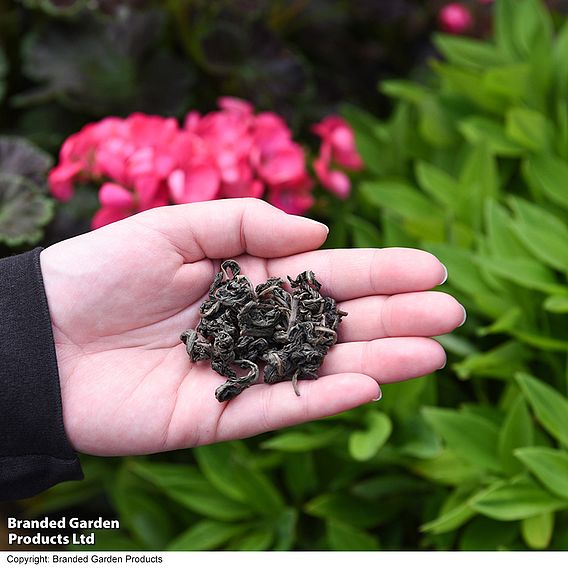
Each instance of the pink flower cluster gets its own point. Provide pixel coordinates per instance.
(147, 161)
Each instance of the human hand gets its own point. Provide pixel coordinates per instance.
(120, 296)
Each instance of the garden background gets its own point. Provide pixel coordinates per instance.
(461, 149)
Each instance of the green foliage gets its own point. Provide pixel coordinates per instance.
(472, 165)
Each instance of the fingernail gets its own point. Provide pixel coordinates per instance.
(445, 274)
(464, 317)
(312, 221)
(443, 364)
(379, 395)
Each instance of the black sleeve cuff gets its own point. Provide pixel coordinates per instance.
(34, 451)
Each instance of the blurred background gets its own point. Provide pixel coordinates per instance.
(436, 125)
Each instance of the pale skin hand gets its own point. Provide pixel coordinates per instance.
(120, 296)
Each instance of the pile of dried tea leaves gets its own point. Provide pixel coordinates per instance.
(242, 326)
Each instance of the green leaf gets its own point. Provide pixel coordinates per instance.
(146, 517)
(405, 90)
(399, 197)
(24, 206)
(297, 440)
(416, 438)
(446, 469)
(560, 65)
(480, 173)
(285, 529)
(464, 273)
(501, 361)
(479, 129)
(515, 500)
(455, 512)
(436, 125)
(506, 323)
(469, 84)
(551, 175)
(537, 530)
(385, 485)
(341, 536)
(544, 234)
(503, 243)
(550, 407)
(437, 183)
(421, 218)
(364, 233)
(529, 128)
(513, 82)
(261, 538)
(345, 508)
(187, 486)
(365, 127)
(404, 398)
(363, 445)
(522, 26)
(517, 431)
(549, 466)
(226, 467)
(468, 52)
(487, 534)
(562, 129)
(206, 535)
(540, 341)
(20, 158)
(300, 474)
(472, 438)
(556, 304)
(526, 272)
(504, 26)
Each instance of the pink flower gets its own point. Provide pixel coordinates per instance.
(290, 200)
(197, 183)
(61, 178)
(117, 203)
(338, 136)
(338, 147)
(455, 18)
(146, 161)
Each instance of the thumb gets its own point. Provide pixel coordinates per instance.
(230, 227)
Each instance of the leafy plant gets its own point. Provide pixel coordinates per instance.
(24, 205)
(473, 166)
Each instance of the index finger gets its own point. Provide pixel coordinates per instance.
(346, 274)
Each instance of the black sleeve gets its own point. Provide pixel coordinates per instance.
(34, 451)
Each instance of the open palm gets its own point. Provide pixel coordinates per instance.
(120, 296)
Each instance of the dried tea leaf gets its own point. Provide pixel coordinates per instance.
(243, 326)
